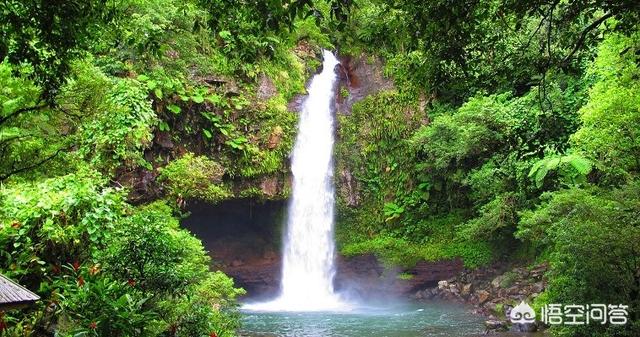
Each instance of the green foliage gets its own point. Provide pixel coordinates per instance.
(210, 308)
(156, 281)
(572, 169)
(251, 31)
(99, 306)
(55, 222)
(475, 129)
(104, 90)
(189, 81)
(611, 119)
(372, 148)
(457, 50)
(474, 254)
(495, 177)
(391, 250)
(400, 252)
(118, 138)
(47, 37)
(153, 252)
(105, 268)
(496, 220)
(405, 276)
(194, 177)
(475, 149)
(592, 239)
(472, 161)
(145, 35)
(392, 211)
(17, 92)
(344, 93)
(29, 130)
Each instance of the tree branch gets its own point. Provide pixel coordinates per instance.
(3, 119)
(4, 141)
(546, 15)
(5, 176)
(583, 36)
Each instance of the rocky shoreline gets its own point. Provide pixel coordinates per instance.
(493, 292)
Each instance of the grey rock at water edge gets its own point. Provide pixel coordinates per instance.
(495, 325)
(524, 327)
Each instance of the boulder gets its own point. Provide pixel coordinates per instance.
(495, 325)
(266, 88)
(418, 295)
(163, 139)
(538, 287)
(515, 290)
(489, 306)
(522, 272)
(524, 327)
(275, 137)
(349, 188)
(483, 296)
(426, 294)
(466, 289)
(497, 281)
(539, 269)
(269, 186)
(429, 294)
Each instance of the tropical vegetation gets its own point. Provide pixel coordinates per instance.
(511, 133)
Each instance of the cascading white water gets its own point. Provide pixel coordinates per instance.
(308, 255)
(308, 259)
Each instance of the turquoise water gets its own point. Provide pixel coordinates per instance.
(398, 320)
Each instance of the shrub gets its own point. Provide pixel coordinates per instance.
(150, 250)
(592, 238)
(96, 305)
(121, 130)
(104, 268)
(55, 222)
(611, 120)
(194, 177)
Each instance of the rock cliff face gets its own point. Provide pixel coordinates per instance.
(359, 77)
(359, 276)
(244, 238)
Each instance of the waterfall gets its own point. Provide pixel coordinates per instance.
(309, 251)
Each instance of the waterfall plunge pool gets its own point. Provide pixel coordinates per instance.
(427, 319)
